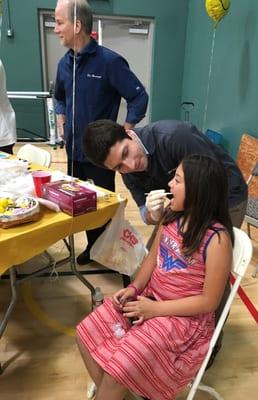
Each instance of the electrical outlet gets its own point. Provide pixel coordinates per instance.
(9, 33)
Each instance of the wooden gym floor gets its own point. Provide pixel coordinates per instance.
(38, 349)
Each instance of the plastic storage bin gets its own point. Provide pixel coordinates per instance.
(214, 136)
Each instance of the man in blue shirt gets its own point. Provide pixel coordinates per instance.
(148, 157)
(90, 82)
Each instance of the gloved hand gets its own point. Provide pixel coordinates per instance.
(155, 203)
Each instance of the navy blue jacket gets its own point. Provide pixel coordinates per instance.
(102, 77)
(167, 143)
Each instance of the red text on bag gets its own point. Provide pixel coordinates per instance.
(129, 237)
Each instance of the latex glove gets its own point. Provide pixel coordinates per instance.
(155, 203)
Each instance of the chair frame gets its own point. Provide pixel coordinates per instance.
(242, 255)
(35, 154)
(251, 221)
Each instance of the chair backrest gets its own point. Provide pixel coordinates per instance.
(246, 159)
(35, 155)
(242, 255)
(254, 173)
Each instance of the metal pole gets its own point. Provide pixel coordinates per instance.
(25, 95)
(100, 33)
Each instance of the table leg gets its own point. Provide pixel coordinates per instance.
(74, 268)
(6, 317)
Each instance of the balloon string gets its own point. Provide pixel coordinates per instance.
(209, 79)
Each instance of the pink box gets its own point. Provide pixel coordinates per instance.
(71, 197)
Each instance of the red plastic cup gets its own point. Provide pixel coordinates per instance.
(39, 178)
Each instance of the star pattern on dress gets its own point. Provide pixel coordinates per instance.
(169, 262)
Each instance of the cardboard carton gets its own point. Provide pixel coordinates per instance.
(72, 198)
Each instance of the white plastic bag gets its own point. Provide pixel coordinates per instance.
(119, 247)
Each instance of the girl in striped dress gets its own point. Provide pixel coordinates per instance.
(151, 337)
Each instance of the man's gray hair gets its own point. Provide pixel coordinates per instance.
(83, 14)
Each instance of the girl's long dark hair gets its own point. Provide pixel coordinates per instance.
(206, 201)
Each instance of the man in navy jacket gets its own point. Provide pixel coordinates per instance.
(148, 157)
(90, 82)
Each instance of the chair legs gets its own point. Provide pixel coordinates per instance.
(249, 234)
(210, 390)
(248, 229)
(255, 271)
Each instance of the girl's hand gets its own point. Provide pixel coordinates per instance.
(122, 296)
(141, 309)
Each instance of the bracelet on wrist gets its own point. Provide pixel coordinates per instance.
(137, 292)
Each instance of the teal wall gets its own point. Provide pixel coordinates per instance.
(232, 102)
(182, 48)
(21, 57)
(21, 54)
(168, 50)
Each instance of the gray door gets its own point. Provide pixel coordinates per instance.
(132, 38)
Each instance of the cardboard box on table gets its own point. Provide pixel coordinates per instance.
(71, 197)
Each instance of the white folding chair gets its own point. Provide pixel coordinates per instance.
(251, 217)
(247, 160)
(242, 255)
(42, 157)
(34, 154)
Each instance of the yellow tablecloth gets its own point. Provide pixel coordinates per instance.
(19, 244)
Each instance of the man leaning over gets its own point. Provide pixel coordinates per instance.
(147, 159)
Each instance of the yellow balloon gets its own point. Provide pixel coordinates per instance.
(217, 9)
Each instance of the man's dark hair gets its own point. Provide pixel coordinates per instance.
(83, 14)
(99, 137)
(206, 200)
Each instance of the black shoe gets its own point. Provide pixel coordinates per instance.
(84, 258)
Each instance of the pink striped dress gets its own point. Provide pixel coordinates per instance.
(160, 357)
